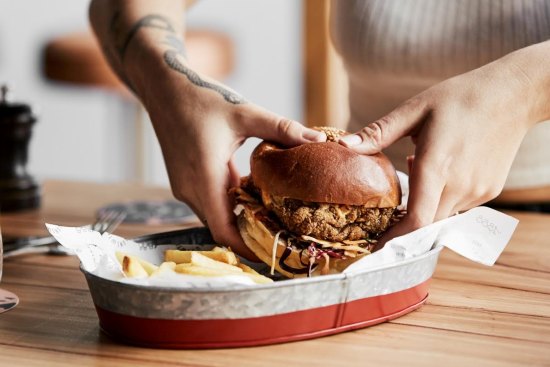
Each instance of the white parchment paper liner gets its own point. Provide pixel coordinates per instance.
(97, 255)
(479, 234)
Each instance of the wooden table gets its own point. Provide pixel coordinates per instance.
(475, 315)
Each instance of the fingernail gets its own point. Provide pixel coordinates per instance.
(314, 136)
(351, 140)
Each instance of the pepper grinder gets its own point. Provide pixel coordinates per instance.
(18, 190)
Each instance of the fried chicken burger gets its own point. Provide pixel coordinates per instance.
(315, 208)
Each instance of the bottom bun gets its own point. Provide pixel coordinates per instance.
(260, 240)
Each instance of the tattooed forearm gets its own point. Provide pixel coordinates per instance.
(122, 39)
(176, 43)
(171, 59)
(122, 34)
(111, 57)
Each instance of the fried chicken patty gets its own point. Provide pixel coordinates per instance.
(331, 222)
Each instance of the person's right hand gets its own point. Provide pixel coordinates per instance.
(199, 122)
(199, 128)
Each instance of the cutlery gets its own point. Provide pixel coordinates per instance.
(105, 222)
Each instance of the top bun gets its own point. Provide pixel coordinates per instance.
(325, 173)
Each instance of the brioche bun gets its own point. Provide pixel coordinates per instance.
(325, 173)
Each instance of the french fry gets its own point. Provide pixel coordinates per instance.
(146, 265)
(168, 265)
(133, 268)
(205, 271)
(197, 257)
(220, 249)
(247, 269)
(165, 267)
(258, 278)
(254, 275)
(218, 262)
(227, 250)
(120, 256)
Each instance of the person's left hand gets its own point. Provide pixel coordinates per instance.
(467, 131)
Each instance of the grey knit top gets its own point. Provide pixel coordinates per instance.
(394, 49)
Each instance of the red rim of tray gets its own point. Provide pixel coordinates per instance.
(292, 326)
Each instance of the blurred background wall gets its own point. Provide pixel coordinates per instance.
(88, 133)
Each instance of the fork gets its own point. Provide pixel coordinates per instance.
(105, 222)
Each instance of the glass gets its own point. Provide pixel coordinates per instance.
(1, 254)
(8, 300)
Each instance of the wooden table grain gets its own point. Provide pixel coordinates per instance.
(475, 315)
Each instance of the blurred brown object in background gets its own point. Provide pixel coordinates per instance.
(77, 58)
(527, 195)
(325, 79)
(532, 199)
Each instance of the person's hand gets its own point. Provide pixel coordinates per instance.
(199, 132)
(466, 130)
(199, 122)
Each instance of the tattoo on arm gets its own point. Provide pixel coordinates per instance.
(122, 40)
(176, 43)
(149, 21)
(171, 59)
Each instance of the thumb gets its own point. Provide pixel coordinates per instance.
(385, 131)
(258, 122)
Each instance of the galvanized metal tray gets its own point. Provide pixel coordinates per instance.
(282, 311)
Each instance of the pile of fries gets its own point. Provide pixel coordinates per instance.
(217, 262)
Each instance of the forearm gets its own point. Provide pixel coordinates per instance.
(527, 77)
(143, 42)
(125, 28)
